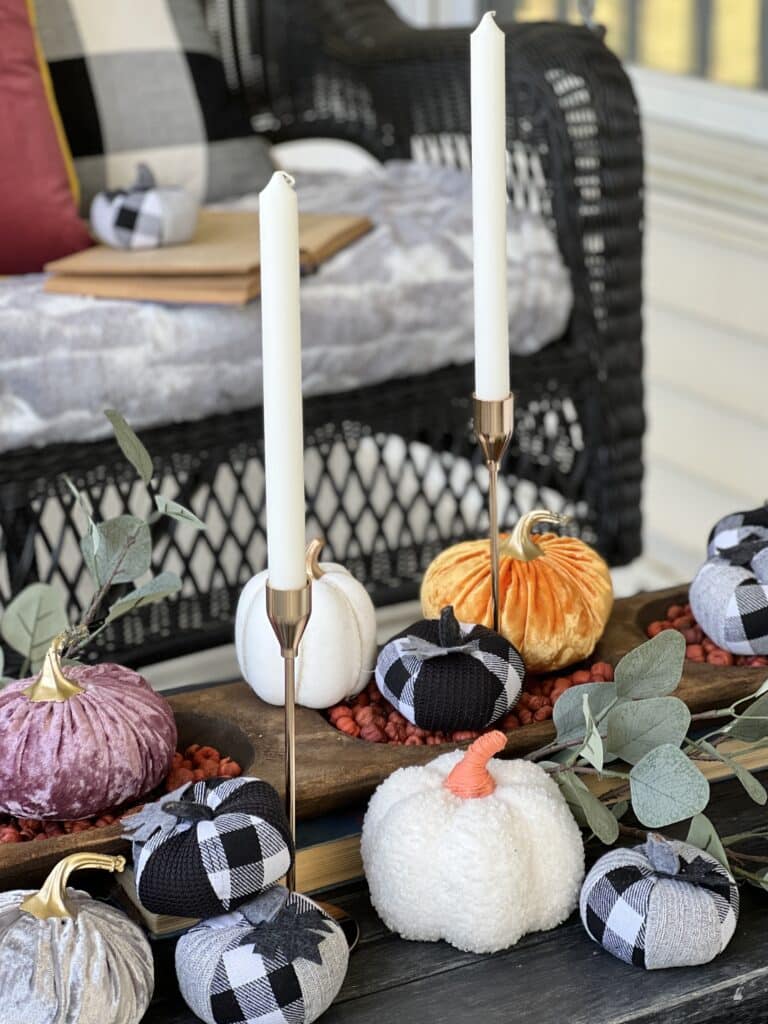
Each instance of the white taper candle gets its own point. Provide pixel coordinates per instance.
(281, 354)
(489, 209)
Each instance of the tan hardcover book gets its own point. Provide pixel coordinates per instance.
(220, 264)
(317, 867)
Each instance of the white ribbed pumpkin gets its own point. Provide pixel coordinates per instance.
(337, 653)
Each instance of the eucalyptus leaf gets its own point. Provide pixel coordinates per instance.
(162, 586)
(568, 712)
(587, 809)
(636, 727)
(618, 810)
(174, 510)
(763, 880)
(592, 748)
(754, 789)
(703, 835)
(666, 787)
(124, 551)
(653, 669)
(130, 445)
(80, 497)
(32, 619)
(752, 724)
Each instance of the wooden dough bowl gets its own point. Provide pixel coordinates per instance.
(335, 770)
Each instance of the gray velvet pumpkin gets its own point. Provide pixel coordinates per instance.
(69, 959)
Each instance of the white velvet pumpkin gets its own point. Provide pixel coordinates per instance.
(337, 653)
(472, 850)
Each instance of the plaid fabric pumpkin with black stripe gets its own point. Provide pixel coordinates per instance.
(209, 846)
(444, 675)
(279, 959)
(729, 594)
(664, 904)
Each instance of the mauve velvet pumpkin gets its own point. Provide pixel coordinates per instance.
(71, 759)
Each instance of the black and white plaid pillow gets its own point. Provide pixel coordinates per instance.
(144, 82)
(198, 868)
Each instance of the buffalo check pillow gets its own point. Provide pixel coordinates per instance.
(142, 81)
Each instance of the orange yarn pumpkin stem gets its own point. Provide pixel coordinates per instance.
(470, 778)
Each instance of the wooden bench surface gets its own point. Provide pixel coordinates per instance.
(547, 978)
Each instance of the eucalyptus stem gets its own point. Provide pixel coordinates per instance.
(98, 597)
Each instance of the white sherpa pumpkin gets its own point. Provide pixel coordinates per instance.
(475, 851)
(337, 652)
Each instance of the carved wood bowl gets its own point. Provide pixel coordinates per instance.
(24, 865)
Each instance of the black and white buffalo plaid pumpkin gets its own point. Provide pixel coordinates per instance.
(663, 904)
(209, 846)
(729, 594)
(278, 959)
(445, 675)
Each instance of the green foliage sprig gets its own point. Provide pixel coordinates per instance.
(115, 551)
(636, 720)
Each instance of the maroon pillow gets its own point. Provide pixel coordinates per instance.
(38, 212)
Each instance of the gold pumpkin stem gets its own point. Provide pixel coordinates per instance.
(50, 901)
(314, 548)
(519, 544)
(52, 684)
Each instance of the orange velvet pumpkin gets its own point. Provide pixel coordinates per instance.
(555, 593)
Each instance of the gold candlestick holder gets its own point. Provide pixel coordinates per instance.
(493, 423)
(288, 612)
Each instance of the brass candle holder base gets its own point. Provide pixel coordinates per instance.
(493, 422)
(288, 612)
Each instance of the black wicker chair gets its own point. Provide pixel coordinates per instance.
(351, 69)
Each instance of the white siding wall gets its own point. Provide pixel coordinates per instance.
(706, 328)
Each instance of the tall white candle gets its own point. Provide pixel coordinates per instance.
(489, 209)
(281, 349)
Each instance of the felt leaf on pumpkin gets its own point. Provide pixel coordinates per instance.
(124, 550)
(588, 811)
(174, 510)
(294, 932)
(752, 725)
(653, 669)
(568, 712)
(754, 789)
(32, 619)
(637, 727)
(163, 585)
(703, 834)
(666, 787)
(743, 552)
(130, 445)
(592, 748)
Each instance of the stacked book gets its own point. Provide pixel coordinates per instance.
(219, 265)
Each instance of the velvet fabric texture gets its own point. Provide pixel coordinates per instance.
(38, 194)
(553, 608)
(93, 968)
(70, 759)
